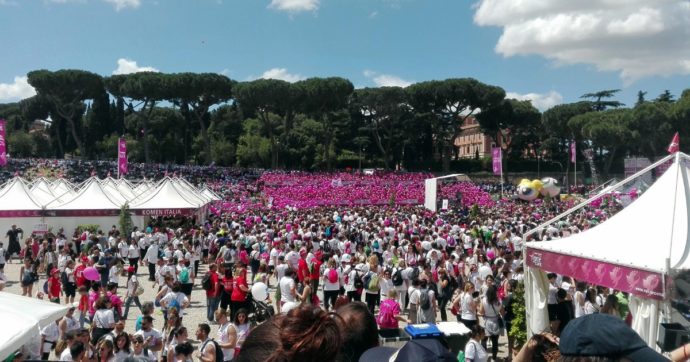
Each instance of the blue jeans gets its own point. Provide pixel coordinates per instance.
(129, 301)
(211, 306)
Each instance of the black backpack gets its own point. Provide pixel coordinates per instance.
(219, 351)
(397, 278)
(359, 283)
(206, 283)
(424, 300)
(415, 273)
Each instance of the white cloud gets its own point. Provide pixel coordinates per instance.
(16, 91)
(282, 74)
(386, 80)
(540, 101)
(294, 6)
(127, 66)
(373, 14)
(636, 38)
(124, 4)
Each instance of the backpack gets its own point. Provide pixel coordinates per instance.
(227, 256)
(206, 283)
(184, 275)
(45, 287)
(397, 278)
(219, 351)
(375, 245)
(385, 318)
(174, 304)
(424, 301)
(359, 283)
(373, 284)
(415, 274)
(333, 276)
(63, 278)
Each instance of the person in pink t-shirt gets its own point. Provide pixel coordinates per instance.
(389, 315)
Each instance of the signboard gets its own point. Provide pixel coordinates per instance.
(164, 212)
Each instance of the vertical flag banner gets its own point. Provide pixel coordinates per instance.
(3, 144)
(573, 152)
(497, 160)
(675, 144)
(121, 157)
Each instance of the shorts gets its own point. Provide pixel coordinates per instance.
(186, 289)
(70, 289)
(205, 253)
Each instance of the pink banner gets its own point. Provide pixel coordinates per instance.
(3, 144)
(639, 282)
(164, 212)
(573, 152)
(121, 157)
(497, 160)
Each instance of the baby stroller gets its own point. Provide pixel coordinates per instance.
(260, 312)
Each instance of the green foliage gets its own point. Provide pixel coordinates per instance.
(518, 328)
(20, 144)
(92, 228)
(223, 152)
(125, 221)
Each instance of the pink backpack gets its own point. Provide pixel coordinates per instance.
(333, 276)
(386, 317)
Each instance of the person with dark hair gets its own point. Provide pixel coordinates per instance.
(564, 310)
(241, 325)
(474, 350)
(508, 302)
(240, 289)
(611, 306)
(579, 298)
(359, 330)
(131, 294)
(213, 294)
(492, 310)
(76, 351)
(153, 339)
(552, 302)
(303, 334)
(227, 335)
(184, 351)
(103, 319)
(207, 349)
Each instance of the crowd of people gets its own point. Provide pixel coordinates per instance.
(340, 276)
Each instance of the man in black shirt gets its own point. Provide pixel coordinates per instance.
(14, 246)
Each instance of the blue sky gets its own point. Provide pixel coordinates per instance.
(551, 52)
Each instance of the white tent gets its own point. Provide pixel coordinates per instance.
(210, 194)
(62, 187)
(42, 191)
(22, 318)
(192, 192)
(91, 196)
(19, 207)
(166, 200)
(633, 251)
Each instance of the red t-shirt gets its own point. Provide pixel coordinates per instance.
(227, 284)
(237, 294)
(213, 292)
(316, 269)
(54, 287)
(302, 269)
(79, 275)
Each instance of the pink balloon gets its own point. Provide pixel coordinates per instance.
(91, 273)
(490, 254)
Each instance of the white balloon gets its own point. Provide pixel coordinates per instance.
(259, 291)
(485, 271)
(550, 187)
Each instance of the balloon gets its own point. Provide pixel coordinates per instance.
(525, 190)
(550, 187)
(91, 274)
(259, 291)
(537, 185)
(485, 271)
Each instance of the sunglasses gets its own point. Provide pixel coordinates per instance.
(137, 342)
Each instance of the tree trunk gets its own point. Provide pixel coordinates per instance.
(609, 161)
(445, 156)
(61, 147)
(204, 136)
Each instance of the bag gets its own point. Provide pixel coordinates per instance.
(376, 245)
(333, 276)
(397, 278)
(454, 310)
(139, 291)
(359, 283)
(367, 279)
(501, 322)
(461, 356)
(184, 275)
(385, 318)
(45, 287)
(415, 274)
(206, 283)
(219, 351)
(373, 284)
(424, 301)
(63, 278)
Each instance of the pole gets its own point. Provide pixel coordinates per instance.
(502, 172)
(575, 171)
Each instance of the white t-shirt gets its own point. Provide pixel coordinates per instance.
(180, 297)
(468, 313)
(130, 285)
(280, 270)
(51, 334)
(103, 318)
(475, 352)
(327, 285)
(286, 285)
(155, 337)
(228, 353)
(114, 275)
(133, 251)
(66, 355)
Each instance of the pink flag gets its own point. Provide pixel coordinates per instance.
(497, 160)
(121, 157)
(3, 146)
(573, 152)
(673, 147)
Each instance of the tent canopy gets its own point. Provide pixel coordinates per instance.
(16, 196)
(166, 200)
(90, 197)
(631, 248)
(22, 317)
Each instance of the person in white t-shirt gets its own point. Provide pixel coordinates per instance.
(227, 335)
(152, 338)
(288, 288)
(49, 337)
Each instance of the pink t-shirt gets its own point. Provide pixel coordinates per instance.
(388, 309)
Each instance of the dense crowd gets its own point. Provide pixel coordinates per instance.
(305, 281)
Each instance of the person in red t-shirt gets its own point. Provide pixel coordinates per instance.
(238, 299)
(213, 294)
(79, 274)
(302, 267)
(225, 293)
(54, 286)
(315, 266)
